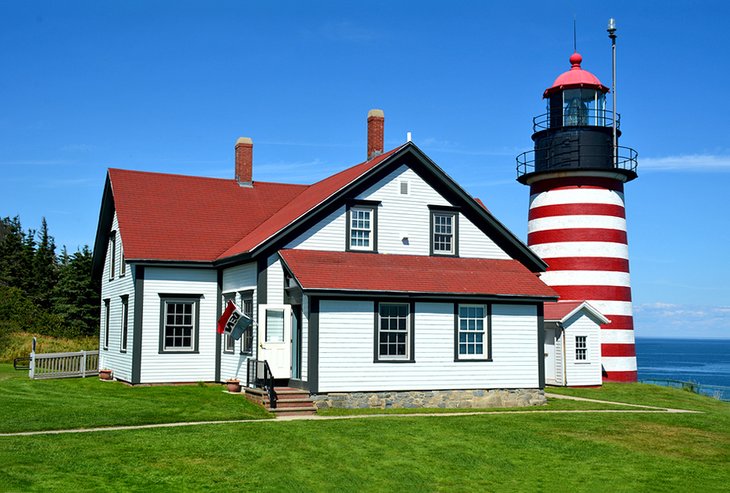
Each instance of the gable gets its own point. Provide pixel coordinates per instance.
(403, 221)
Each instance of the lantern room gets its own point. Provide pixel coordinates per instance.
(577, 130)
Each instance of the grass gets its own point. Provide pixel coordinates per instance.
(18, 345)
(495, 452)
(28, 405)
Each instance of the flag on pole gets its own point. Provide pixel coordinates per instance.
(233, 322)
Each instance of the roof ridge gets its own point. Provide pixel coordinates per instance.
(196, 177)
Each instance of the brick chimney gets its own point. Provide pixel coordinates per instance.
(376, 124)
(244, 161)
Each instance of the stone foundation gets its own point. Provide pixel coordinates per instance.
(431, 398)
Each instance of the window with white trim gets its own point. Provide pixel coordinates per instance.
(247, 309)
(361, 222)
(107, 303)
(229, 343)
(125, 324)
(112, 253)
(179, 323)
(472, 332)
(443, 233)
(581, 348)
(394, 331)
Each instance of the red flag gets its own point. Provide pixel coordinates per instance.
(230, 308)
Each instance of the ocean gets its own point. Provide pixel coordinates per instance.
(702, 361)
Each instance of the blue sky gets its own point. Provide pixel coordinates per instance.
(169, 86)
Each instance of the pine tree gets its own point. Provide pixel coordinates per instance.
(45, 268)
(76, 297)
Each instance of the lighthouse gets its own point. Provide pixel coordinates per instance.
(577, 215)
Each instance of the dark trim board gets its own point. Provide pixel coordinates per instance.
(137, 328)
(313, 345)
(218, 312)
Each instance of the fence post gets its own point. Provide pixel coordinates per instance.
(31, 371)
(83, 364)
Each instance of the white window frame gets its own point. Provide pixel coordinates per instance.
(581, 348)
(124, 333)
(107, 310)
(435, 231)
(353, 221)
(247, 297)
(112, 252)
(389, 332)
(229, 344)
(468, 332)
(193, 322)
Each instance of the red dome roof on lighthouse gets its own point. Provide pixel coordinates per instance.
(576, 77)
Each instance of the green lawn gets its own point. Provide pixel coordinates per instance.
(27, 405)
(498, 452)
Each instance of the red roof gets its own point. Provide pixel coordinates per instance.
(186, 218)
(194, 219)
(309, 199)
(575, 77)
(364, 272)
(559, 311)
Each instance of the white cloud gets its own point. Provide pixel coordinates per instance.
(659, 319)
(686, 162)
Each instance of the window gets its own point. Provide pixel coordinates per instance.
(106, 323)
(179, 322)
(229, 343)
(122, 266)
(472, 332)
(125, 324)
(274, 325)
(247, 309)
(112, 252)
(581, 348)
(362, 226)
(444, 226)
(393, 332)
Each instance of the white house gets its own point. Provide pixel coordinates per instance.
(387, 276)
(573, 344)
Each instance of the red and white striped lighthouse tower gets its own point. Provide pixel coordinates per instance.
(577, 220)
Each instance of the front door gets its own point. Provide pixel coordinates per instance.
(550, 356)
(275, 338)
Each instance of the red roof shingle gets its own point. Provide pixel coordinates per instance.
(364, 272)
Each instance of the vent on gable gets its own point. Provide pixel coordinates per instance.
(404, 187)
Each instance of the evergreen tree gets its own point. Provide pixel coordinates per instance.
(45, 269)
(15, 254)
(76, 296)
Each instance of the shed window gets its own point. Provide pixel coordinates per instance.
(581, 348)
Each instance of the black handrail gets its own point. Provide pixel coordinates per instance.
(626, 159)
(265, 381)
(590, 118)
(269, 385)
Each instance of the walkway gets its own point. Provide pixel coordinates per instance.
(640, 408)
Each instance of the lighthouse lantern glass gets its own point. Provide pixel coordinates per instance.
(584, 107)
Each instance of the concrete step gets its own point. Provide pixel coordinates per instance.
(294, 411)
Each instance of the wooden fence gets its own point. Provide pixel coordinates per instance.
(64, 365)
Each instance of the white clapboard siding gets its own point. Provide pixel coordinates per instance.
(586, 372)
(237, 279)
(328, 234)
(181, 367)
(559, 366)
(346, 344)
(305, 337)
(403, 222)
(113, 358)
(274, 281)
